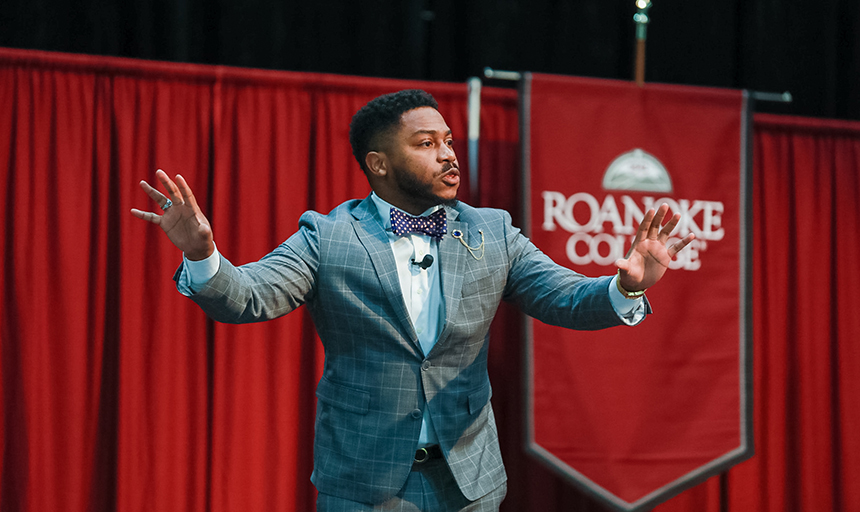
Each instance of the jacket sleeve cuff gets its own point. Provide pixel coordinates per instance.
(631, 312)
(192, 276)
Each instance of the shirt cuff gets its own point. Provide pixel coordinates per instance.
(631, 311)
(198, 273)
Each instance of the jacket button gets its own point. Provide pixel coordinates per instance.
(417, 413)
(426, 365)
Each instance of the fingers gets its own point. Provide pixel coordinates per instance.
(147, 216)
(171, 187)
(177, 194)
(680, 244)
(652, 224)
(651, 228)
(657, 221)
(159, 198)
(668, 228)
(641, 231)
(645, 225)
(185, 191)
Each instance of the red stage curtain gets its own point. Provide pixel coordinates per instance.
(118, 394)
(807, 359)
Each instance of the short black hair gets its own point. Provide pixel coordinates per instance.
(380, 115)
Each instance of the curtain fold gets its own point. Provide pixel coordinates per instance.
(118, 394)
(807, 180)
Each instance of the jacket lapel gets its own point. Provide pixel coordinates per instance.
(369, 229)
(452, 265)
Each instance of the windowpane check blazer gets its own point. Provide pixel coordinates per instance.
(376, 381)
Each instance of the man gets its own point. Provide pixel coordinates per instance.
(404, 420)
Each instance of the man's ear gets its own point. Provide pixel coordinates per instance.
(377, 163)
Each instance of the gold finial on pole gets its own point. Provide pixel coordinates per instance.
(641, 19)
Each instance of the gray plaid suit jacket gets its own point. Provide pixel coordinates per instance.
(376, 381)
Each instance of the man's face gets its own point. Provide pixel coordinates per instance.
(423, 168)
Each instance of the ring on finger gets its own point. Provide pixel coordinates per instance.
(166, 205)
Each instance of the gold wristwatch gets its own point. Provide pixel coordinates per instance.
(627, 294)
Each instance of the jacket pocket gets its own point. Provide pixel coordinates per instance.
(488, 283)
(343, 397)
(478, 399)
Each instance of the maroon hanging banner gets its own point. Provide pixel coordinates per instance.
(634, 415)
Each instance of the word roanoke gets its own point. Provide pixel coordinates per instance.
(591, 242)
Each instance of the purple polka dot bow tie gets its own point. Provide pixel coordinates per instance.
(435, 224)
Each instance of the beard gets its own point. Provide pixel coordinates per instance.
(419, 191)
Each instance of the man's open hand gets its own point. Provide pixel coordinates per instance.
(648, 258)
(182, 220)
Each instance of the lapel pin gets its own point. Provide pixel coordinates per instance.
(459, 236)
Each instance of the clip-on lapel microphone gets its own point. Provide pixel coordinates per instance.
(425, 263)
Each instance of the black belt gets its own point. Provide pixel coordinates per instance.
(427, 453)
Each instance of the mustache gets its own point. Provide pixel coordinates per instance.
(448, 166)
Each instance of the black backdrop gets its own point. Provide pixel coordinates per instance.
(810, 48)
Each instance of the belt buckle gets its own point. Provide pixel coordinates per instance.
(423, 454)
